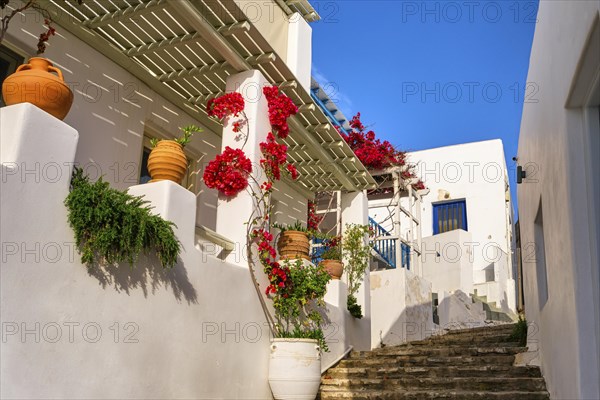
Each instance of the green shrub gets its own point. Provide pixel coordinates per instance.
(112, 226)
(353, 307)
(519, 333)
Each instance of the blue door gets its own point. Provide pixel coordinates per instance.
(449, 215)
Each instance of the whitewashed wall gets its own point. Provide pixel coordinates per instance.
(475, 172)
(400, 307)
(447, 262)
(556, 144)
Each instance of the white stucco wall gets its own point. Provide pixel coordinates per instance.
(554, 145)
(475, 172)
(400, 307)
(447, 262)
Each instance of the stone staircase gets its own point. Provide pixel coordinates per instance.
(464, 364)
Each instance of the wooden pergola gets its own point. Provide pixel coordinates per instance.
(185, 50)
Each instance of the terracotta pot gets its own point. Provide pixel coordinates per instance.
(167, 162)
(34, 83)
(335, 268)
(293, 245)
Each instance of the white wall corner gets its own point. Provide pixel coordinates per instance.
(174, 203)
(299, 51)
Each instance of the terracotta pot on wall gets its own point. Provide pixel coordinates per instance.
(167, 162)
(293, 245)
(335, 268)
(35, 83)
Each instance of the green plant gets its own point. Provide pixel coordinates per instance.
(297, 307)
(353, 307)
(297, 226)
(112, 226)
(188, 131)
(519, 333)
(356, 250)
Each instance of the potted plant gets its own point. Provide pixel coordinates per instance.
(167, 161)
(35, 82)
(293, 241)
(332, 257)
(295, 359)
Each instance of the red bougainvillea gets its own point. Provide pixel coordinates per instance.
(223, 106)
(281, 108)
(228, 172)
(313, 220)
(275, 157)
(372, 152)
(277, 274)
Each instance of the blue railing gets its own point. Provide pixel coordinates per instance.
(386, 248)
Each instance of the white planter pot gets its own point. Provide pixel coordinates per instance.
(295, 369)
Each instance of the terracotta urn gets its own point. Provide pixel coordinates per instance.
(293, 245)
(335, 268)
(36, 83)
(167, 162)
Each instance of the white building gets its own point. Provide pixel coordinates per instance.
(469, 191)
(559, 198)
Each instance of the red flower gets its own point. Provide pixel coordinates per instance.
(223, 106)
(275, 157)
(228, 172)
(281, 108)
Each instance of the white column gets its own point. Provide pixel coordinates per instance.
(233, 212)
(355, 210)
(299, 49)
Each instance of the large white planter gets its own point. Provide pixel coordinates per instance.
(295, 369)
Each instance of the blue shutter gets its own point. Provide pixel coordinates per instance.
(449, 216)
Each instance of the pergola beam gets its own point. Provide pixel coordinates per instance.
(166, 44)
(119, 15)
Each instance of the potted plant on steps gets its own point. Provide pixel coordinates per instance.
(293, 242)
(332, 257)
(35, 82)
(167, 161)
(295, 359)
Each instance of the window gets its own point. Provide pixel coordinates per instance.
(449, 215)
(9, 61)
(540, 258)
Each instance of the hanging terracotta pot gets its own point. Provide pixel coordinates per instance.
(293, 245)
(335, 268)
(35, 83)
(167, 162)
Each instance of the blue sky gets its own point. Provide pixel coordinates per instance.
(428, 73)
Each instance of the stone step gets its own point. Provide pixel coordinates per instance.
(491, 384)
(422, 395)
(438, 351)
(471, 339)
(484, 330)
(407, 361)
(442, 371)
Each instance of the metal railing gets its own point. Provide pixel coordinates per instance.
(385, 246)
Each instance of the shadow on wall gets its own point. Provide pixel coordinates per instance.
(413, 323)
(147, 275)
